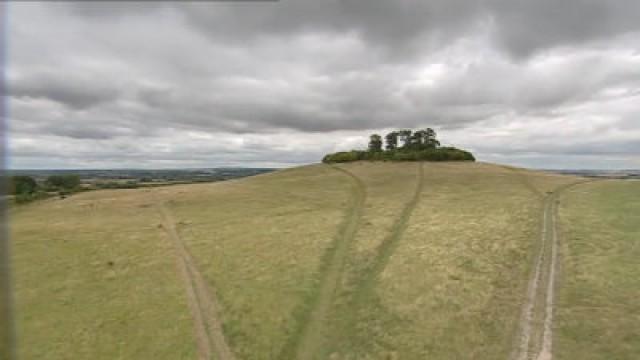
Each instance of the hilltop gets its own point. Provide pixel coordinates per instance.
(403, 145)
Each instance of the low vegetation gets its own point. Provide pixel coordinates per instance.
(28, 185)
(365, 260)
(598, 309)
(26, 189)
(403, 145)
(95, 278)
(439, 270)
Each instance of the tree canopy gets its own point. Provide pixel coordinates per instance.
(403, 145)
(66, 182)
(21, 184)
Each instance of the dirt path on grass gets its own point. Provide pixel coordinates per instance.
(533, 290)
(536, 323)
(547, 333)
(313, 333)
(201, 298)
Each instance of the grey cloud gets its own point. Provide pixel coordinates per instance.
(379, 22)
(130, 74)
(525, 27)
(73, 91)
(522, 27)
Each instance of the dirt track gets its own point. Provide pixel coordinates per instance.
(201, 298)
(536, 324)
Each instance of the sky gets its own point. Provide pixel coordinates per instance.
(533, 83)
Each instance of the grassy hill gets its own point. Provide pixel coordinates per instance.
(360, 260)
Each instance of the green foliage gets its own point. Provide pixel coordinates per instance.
(344, 156)
(117, 185)
(66, 182)
(421, 145)
(391, 140)
(25, 189)
(22, 185)
(375, 143)
(29, 197)
(439, 154)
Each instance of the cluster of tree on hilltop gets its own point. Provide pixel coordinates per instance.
(403, 145)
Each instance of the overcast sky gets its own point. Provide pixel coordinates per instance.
(535, 83)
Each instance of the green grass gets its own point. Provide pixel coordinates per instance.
(94, 278)
(452, 284)
(261, 243)
(598, 310)
(383, 267)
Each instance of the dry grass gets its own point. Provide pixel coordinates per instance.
(598, 310)
(260, 242)
(95, 279)
(454, 285)
(439, 276)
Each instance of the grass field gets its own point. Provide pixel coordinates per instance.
(354, 261)
(450, 283)
(598, 313)
(95, 279)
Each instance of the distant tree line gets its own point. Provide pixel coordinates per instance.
(403, 145)
(25, 188)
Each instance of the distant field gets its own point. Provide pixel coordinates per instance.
(355, 261)
(599, 298)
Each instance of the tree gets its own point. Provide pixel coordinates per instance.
(430, 141)
(67, 182)
(22, 185)
(405, 137)
(375, 143)
(418, 139)
(419, 145)
(391, 140)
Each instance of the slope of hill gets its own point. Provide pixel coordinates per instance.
(598, 308)
(359, 260)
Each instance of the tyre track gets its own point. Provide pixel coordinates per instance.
(545, 352)
(547, 334)
(546, 263)
(527, 317)
(313, 332)
(201, 298)
(366, 284)
(390, 243)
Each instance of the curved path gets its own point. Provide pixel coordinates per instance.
(201, 298)
(312, 336)
(385, 250)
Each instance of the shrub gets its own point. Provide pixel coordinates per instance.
(344, 156)
(22, 185)
(67, 182)
(28, 197)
